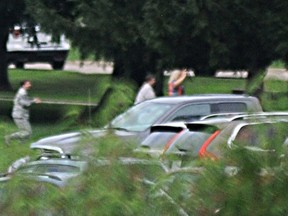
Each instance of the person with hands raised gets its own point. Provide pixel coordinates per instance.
(176, 79)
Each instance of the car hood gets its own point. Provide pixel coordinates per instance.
(66, 143)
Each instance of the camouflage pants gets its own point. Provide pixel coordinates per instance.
(25, 129)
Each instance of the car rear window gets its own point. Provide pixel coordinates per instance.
(158, 140)
(194, 112)
(190, 142)
(228, 107)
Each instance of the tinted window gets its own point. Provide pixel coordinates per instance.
(195, 111)
(191, 112)
(158, 140)
(190, 142)
(228, 107)
(265, 135)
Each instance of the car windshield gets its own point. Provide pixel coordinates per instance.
(140, 117)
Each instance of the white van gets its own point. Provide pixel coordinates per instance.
(27, 44)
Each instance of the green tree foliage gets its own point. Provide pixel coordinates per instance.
(209, 35)
(219, 35)
(107, 29)
(147, 36)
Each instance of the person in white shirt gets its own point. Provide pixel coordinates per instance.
(146, 91)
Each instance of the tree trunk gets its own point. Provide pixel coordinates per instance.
(118, 68)
(255, 82)
(4, 80)
(137, 62)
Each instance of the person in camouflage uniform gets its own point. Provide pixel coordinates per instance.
(20, 112)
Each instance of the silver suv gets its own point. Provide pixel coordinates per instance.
(27, 44)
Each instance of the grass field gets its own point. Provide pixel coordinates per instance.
(59, 85)
(73, 87)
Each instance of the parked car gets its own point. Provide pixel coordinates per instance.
(28, 44)
(211, 135)
(134, 124)
(140, 118)
(56, 171)
(160, 138)
(177, 142)
(59, 171)
(262, 132)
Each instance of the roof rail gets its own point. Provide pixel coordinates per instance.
(259, 115)
(217, 115)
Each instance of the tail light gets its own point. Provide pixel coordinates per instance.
(169, 143)
(203, 153)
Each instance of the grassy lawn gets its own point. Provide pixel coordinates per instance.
(98, 194)
(52, 119)
(201, 85)
(74, 55)
(59, 85)
(18, 149)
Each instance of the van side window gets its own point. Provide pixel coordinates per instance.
(228, 107)
(191, 112)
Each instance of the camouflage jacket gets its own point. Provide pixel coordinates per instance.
(21, 104)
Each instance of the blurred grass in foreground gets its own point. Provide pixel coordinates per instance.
(117, 189)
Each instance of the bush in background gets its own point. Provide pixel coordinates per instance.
(117, 98)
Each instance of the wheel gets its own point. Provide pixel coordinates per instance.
(58, 65)
(19, 65)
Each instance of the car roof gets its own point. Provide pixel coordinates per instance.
(260, 116)
(223, 119)
(243, 116)
(199, 98)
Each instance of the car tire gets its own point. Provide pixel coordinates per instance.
(58, 65)
(19, 65)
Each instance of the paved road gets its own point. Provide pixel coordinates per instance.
(272, 73)
(106, 68)
(86, 68)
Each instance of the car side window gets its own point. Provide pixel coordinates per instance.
(246, 136)
(265, 135)
(191, 112)
(228, 107)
